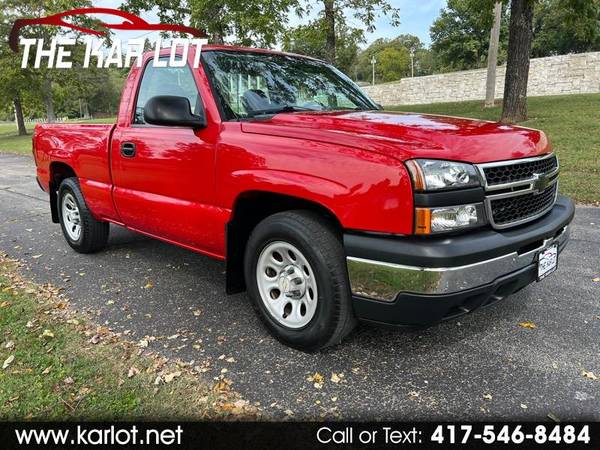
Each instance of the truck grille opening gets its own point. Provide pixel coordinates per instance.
(516, 209)
(504, 174)
(519, 191)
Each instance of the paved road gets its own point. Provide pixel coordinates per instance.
(439, 373)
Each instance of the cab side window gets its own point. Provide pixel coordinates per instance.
(177, 81)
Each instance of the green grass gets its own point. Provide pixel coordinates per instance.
(11, 142)
(58, 374)
(572, 122)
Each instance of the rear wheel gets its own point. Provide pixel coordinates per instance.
(82, 231)
(296, 275)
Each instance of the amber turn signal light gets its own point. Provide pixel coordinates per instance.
(422, 221)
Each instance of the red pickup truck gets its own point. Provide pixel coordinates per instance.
(327, 209)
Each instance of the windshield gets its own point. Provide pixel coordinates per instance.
(254, 84)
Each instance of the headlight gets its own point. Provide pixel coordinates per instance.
(434, 174)
(448, 218)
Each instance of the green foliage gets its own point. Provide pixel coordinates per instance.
(310, 40)
(460, 36)
(242, 22)
(566, 26)
(393, 59)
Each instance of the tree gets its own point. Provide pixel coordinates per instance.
(41, 79)
(365, 11)
(514, 108)
(393, 59)
(460, 35)
(243, 22)
(309, 40)
(13, 80)
(490, 90)
(565, 26)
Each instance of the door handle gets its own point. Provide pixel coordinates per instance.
(128, 149)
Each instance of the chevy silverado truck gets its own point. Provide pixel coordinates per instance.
(326, 209)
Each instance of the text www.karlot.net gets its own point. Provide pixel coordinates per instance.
(100, 436)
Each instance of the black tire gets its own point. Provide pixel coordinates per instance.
(312, 235)
(94, 234)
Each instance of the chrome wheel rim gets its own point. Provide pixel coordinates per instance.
(71, 216)
(287, 284)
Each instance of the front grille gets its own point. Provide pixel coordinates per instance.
(522, 207)
(510, 173)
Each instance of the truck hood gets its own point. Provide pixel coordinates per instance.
(408, 135)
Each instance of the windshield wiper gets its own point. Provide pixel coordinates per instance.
(280, 109)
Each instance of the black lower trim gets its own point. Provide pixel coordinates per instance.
(420, 310)
(469, 248)
(450, 198)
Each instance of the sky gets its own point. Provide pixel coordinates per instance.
(416, 16)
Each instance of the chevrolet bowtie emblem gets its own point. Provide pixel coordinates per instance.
(540, 182)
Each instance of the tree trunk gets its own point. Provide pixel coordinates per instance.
(517, 67)
(330, 30)
(490, 91)
(19, 116)
(48, 100)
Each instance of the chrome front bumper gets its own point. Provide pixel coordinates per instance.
(385, 281)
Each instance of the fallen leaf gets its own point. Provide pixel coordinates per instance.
(230, 359)
(148, 285)
(317, 378)
(171, 376)
(47, 370)
(9, 344)
(529, 325)
(73, 321)
(553, 417)
(589, 375)
(335, 378)
(523, 406)
(224, 370)
(334, 399)
(29, 324)
(48, 334)
(95, 339)
(133, 371)
(487, 396)
(196, 312)
(596, 280)
(8, 361)
(68, 380)
(37, 256)
(143, 343)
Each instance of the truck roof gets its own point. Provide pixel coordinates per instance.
(216, 47)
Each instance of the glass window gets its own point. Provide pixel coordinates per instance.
(249, 84)
(177, 81)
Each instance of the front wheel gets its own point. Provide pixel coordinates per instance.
(82, 231)
(296, 275)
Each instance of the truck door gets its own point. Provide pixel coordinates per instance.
(163, 176)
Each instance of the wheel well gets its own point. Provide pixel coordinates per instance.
(250, 208)
(58, 172)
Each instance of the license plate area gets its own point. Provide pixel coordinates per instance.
(547, 261)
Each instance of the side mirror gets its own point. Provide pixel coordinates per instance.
(172, 110)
